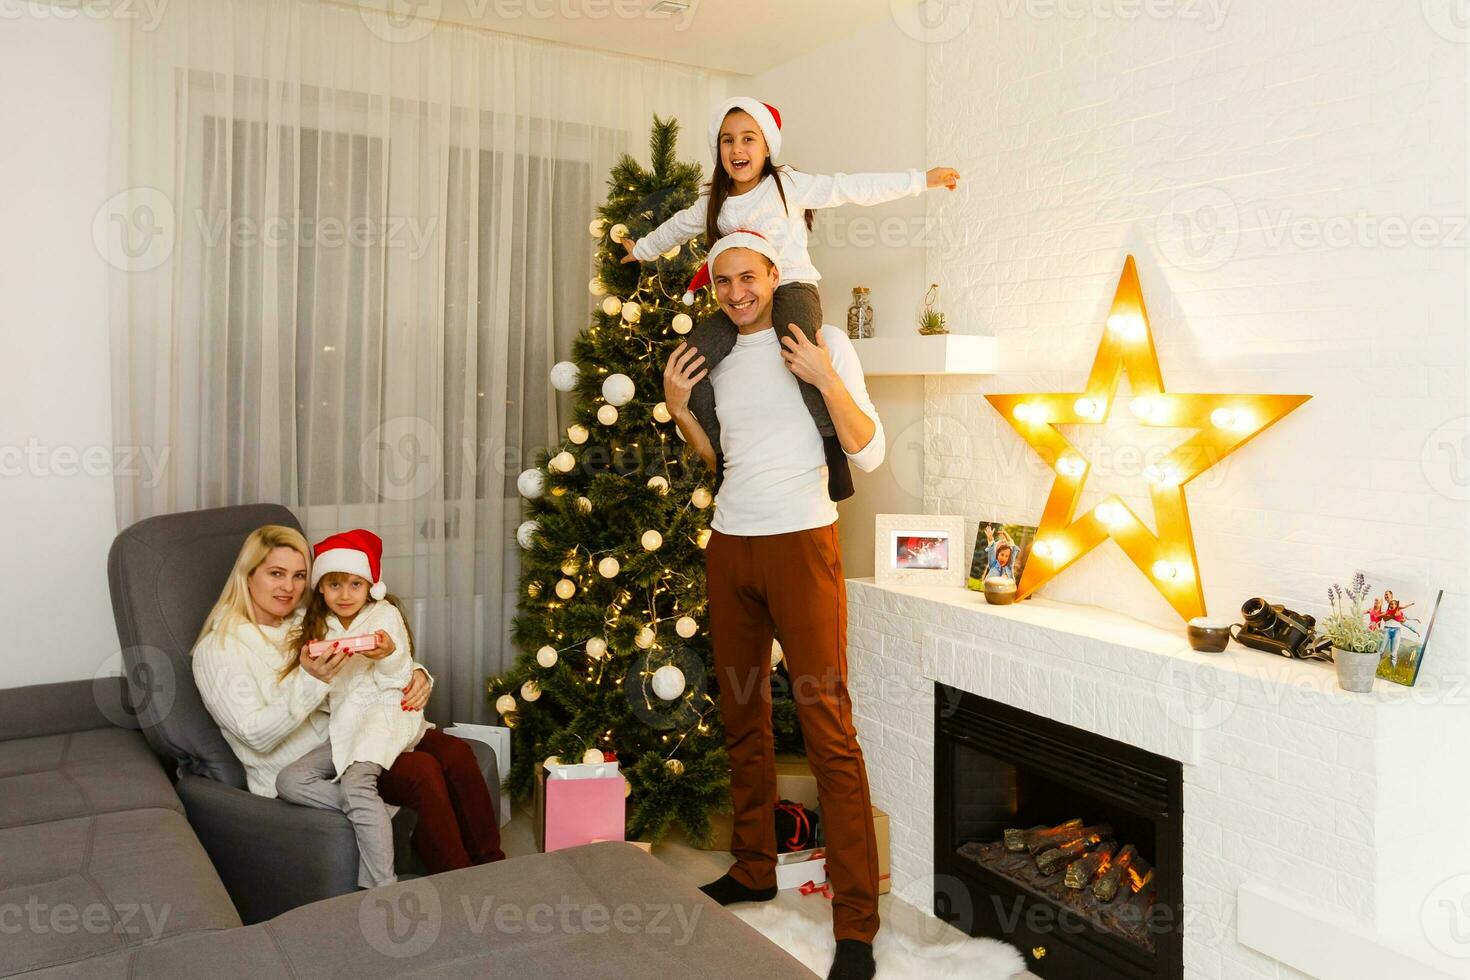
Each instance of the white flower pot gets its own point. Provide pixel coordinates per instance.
(1355, 671)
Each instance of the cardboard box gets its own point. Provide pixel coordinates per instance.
(796, 868)
(880, 831)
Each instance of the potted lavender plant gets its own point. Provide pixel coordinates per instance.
(1355, 647)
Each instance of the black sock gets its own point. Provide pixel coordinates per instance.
(727, 890)
(854, 961)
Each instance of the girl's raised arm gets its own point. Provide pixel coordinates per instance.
(676, 231)
(830, 191)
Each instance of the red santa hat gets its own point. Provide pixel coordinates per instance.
(740, 238)
(765, 116)
(356, 552)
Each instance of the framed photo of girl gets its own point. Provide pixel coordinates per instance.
(918, 549)
(1001, 551)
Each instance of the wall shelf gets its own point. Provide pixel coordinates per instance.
(949, 353)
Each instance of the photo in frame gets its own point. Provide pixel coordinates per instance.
(1403, 614)
(918, 549)
(1001, 551)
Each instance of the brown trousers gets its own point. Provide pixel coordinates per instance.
(792, 585)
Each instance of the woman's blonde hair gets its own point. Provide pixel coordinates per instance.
(234, 606)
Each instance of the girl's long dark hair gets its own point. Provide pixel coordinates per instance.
(720, 186)
(313, 625)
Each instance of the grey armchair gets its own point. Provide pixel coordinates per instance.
(165, 573)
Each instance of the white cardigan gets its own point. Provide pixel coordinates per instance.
(269, 723)
(759, 209)
(368, 723)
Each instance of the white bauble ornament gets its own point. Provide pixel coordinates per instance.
(683, 323)
(597, 648)
(617, 389)
(680, 433)
(569, 567)
(563, 462)
(668, 682)
(546, 656)
(564, 375)
(644, 638)
(531, 484)
(701, 498)
(618, 233)
(592, 756)
(584, 504)
(566, 588)
(607, 415)
(703, 539)
(530, 691)
(658, 484)
(505, 703)
(652, 540)
(776, 653)
(631, 312)
(673, 253)
(686, 626)
(577, 433)
(597, 287)
(608, 567)
(552, 761)
(596, 227)
(611, 305)
(526, 533)
(674, 766)
(661, 412)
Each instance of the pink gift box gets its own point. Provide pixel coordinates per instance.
(580, 811)
(354, 643)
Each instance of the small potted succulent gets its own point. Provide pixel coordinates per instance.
(931, 320)
(1356, 648)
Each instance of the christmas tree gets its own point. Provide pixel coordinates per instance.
(615, 655)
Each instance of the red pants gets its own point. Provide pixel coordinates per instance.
(792, 584)
(440, 780)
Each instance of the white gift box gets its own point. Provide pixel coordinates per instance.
(796, 868)
(498, 738)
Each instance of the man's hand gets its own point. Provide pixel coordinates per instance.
(810, 362)
(681, 374)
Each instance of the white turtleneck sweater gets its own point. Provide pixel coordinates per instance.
(269, 723)
(775, 478)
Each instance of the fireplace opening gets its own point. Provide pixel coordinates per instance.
(1063, 842)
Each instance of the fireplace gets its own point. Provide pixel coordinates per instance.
(997, 769)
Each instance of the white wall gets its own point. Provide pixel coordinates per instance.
(858, 105)
(1270, 165)
(56, 453)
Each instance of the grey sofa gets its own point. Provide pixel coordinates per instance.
(101, 876)
(109, 869)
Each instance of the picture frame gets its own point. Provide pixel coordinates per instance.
(1000, 536)
(919, 549)
(1405, 628)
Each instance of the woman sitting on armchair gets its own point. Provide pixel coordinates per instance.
(271, 722)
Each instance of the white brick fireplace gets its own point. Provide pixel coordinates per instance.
(1310, 814)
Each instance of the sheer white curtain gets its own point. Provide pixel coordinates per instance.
(357, 254)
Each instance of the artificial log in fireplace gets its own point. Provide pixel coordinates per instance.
(1065, 843)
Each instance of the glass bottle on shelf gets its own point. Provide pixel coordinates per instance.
(860, 315)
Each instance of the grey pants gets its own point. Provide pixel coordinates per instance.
(794, 302)
(309, 782)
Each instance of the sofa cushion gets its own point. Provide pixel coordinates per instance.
(603, 910)
(76, 889)
(54, 777)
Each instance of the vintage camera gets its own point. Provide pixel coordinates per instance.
(1273, 628)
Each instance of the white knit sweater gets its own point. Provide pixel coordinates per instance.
(368, 723)
(759, 209)
(269, 723)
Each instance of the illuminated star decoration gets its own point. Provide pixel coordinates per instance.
(1224, 423)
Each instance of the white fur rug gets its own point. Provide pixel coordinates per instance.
(803, 927)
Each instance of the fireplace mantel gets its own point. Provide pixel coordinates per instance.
(1293, 788)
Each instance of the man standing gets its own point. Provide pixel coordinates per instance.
(774, 567)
